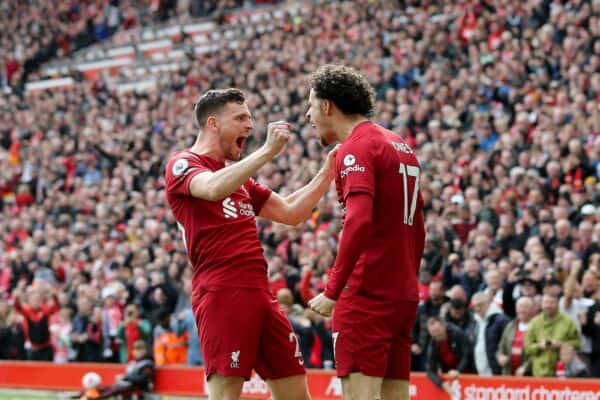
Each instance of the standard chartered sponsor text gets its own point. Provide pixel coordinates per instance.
(475, 392)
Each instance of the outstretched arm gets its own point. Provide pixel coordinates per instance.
(296, 207)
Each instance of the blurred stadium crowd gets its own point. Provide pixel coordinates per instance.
(500, 99)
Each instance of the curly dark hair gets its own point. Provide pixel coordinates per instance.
(347, 88)
(213, 100)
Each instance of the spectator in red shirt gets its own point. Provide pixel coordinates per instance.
(510, 354)
(37, 314)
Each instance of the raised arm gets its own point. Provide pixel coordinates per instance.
(53, 307)
(217, 185)
(571, 283)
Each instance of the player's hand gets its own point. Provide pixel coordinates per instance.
(555, 344)
(329, 166)
(416, 349)
(513, 277)
(278, 134)
(447, 388)
(322, 305)
(502, 359)
(452, 374)
(576, 267)
(17, 293)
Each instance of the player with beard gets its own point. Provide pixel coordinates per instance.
(374, 279)
(239, 322)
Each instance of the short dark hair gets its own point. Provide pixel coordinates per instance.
(347, 88)
(213, 100)
(140, 344)
(435, 318)
(551, 295)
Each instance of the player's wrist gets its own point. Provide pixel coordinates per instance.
(330, 294)
(266, 153)
(326, 174)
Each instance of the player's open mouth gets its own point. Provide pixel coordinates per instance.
(241, 141)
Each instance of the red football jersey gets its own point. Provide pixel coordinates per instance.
(220, 236)
(376, 161)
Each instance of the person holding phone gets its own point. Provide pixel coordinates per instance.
(546, 334)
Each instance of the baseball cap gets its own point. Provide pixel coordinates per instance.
(530, 280)
(457, 199)
(552, 281)
(458, 303)
(494, 244)
(108, 291)
(434, 124)
(588, 209)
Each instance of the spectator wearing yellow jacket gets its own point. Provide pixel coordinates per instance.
(546, 333)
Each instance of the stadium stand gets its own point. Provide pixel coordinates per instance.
(500, 99)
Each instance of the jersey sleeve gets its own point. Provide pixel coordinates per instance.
(179, 173)
(355, 236)
(259, 194)
(355, 166)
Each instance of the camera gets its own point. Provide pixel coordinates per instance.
(523, 273)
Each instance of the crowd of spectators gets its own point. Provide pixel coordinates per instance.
(501, 102)
(34, 32)
(37, 31)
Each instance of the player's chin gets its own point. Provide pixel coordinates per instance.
(235, 154)
(324, 140)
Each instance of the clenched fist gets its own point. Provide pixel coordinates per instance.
(278, 134)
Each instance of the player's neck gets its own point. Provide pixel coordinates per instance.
(207, 145)
(346, 126)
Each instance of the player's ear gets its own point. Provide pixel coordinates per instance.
(327, 107)
(212, 122)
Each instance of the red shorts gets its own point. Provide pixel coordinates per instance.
(243, 329)
(377, 342)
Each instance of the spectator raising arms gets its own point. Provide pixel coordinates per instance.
(36, 313)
